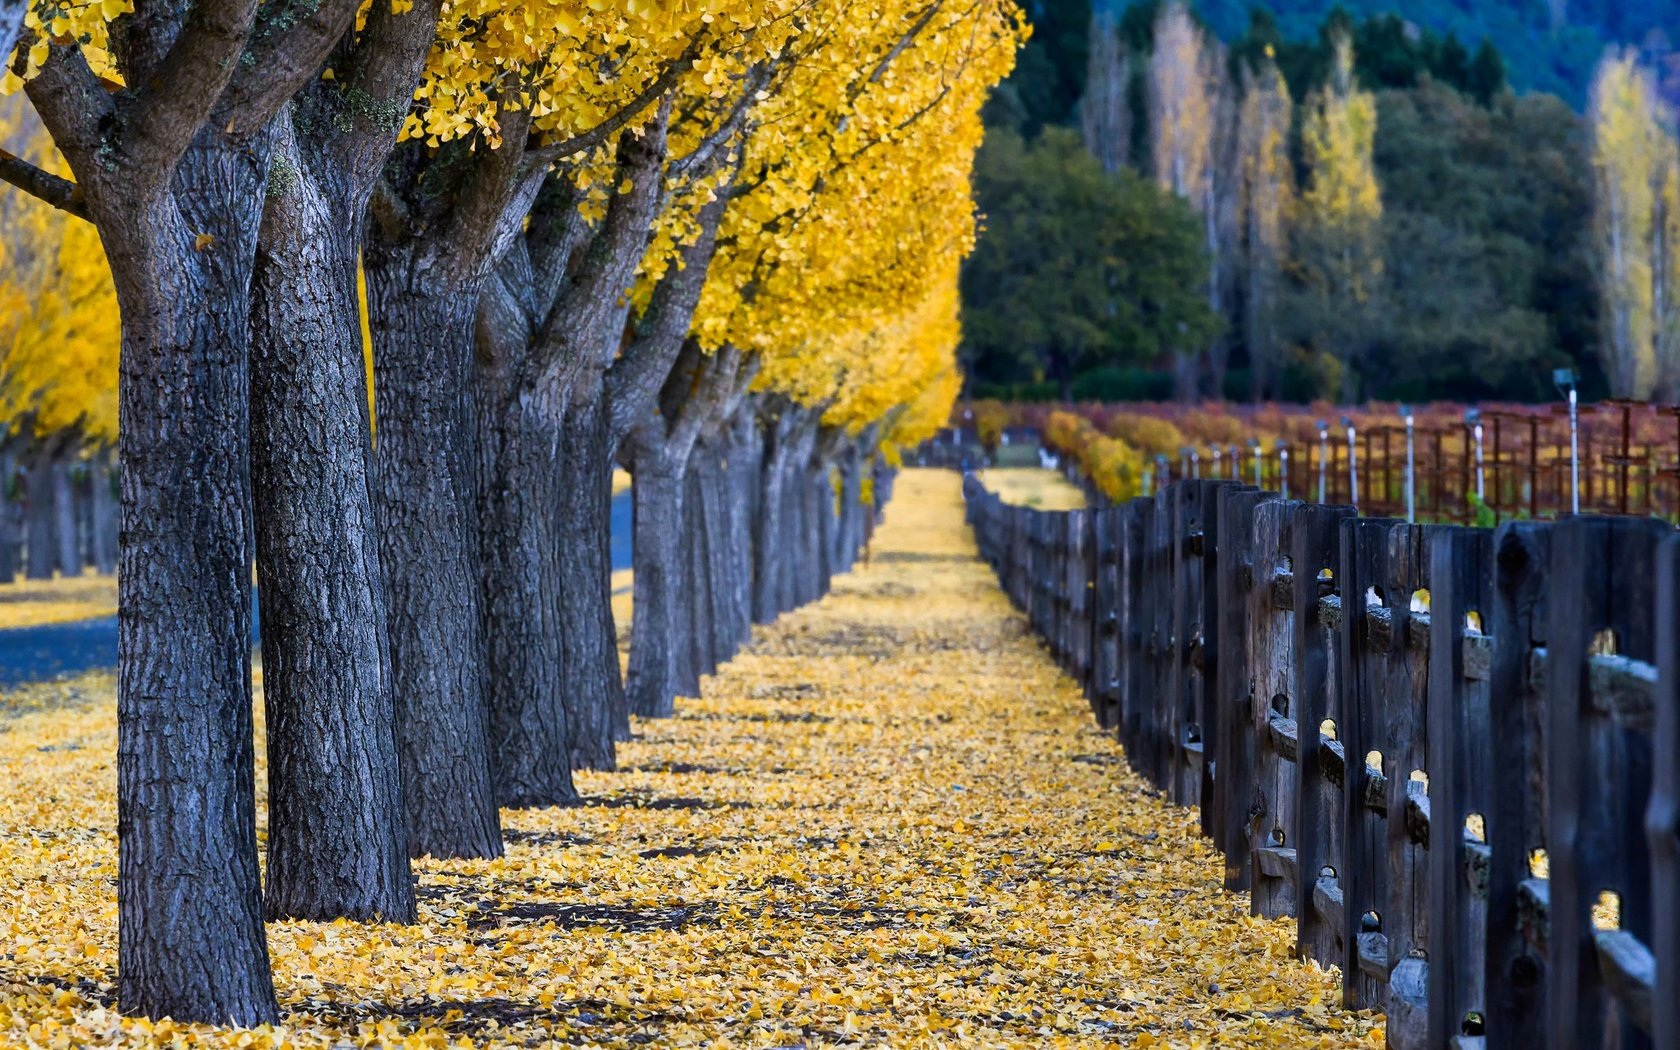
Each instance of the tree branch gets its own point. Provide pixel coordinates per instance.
(281, 60)
(597, 135)
(170, 106)
(43, 185)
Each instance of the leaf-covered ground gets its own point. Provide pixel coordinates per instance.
(30, 603)
(889, 823)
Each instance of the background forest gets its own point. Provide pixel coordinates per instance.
(1303, 201)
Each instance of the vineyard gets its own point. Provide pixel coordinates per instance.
(1469, 464)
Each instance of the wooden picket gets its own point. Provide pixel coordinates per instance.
(1451, 754)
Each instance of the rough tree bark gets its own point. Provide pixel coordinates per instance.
(338, 842)
(779, 421)
(338, 833)
(39, 523)
(662, 654)
(66, 528)
(594, 694)
(103, 512)
(172, 168)
(425, 491)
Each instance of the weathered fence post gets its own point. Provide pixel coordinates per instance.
(1368, 608)
(1316, 534)
(1662, 821)
(1272, 814)
(1515, 1013)
(1234, 695)
(1106, 686)
(1599, 644)
(1136, 669)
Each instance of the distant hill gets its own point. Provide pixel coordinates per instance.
(1548, 45)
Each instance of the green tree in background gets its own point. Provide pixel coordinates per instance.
(1077, 268)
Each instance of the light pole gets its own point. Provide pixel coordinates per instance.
(1473, 418)
(1283, 467)
(1564, 380)
(1411, 464)
(1215, 451)
(1254, 449)
(1353, 462)
(1323, 455)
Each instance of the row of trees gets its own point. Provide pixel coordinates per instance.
(1379, 216)
(58, 370)
(716, 241)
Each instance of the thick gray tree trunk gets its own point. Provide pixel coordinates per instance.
(594, 694)
(66, 527)
(699, 592)
(770, 563)
(520, 546)
(103, 513)
(40, 524)
(189, 902)
(337, 832)
(655, 629)
(425, 501)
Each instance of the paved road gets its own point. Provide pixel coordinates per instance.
(32, 654)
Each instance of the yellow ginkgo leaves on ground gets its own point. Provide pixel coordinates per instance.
(1033, 487)
(888, 824)
(30, 603)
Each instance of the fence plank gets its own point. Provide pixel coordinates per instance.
(1362, 577)
(1233, 697)
(1315, 548)
(1272, 815)
(1663, 817)
(1516, 824)
(1602, 572)
(1459, 731)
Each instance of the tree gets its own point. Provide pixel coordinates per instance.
(1267, 199)
(1338, 244)
(1076, 267)
(1189, 123)
(1633, 152)
(1105, 113)
(172, 167)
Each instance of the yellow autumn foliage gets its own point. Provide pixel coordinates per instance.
(890, 822)
(1113, 466)
(59, 327)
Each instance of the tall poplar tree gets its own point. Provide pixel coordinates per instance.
(1338, 240)
(1267, 193)
(1105, 113)
(1636, 197)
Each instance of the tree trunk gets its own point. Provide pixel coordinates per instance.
(658, 499)
(337, 833)
(719, 629)
(745, 453)
(825, 534)
(594, 693)
(8, 530)
(41, 542)
(65, 528)
(851, 510)
(791, 550)
(1184, 375)
(103, 513)
(424, 499)
(699, 583)
(767, 537)
(189, 900)
(520, 550)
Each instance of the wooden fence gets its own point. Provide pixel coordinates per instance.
(1451, 754)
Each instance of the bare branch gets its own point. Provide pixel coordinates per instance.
(43, 185)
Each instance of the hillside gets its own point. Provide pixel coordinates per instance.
(1548, 45)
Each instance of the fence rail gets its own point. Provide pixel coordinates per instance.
(1452, 754)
